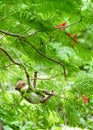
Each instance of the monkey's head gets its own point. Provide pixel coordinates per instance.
(20, 84)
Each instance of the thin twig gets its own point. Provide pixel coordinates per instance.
(64, 116)
(33, 33)
(43, 78)
(9, 65)
(70, 24)
(35, 79)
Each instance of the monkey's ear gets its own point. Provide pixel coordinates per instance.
(23, 83)
(20, 84)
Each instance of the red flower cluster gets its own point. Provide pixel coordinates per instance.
(62, 26)
(69, 34)
(73, 37)
(85, 99)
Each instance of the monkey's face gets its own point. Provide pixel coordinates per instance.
(20, 84)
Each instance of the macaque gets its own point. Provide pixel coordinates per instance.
(33, 95)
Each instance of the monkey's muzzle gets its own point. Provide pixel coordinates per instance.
(16, 88)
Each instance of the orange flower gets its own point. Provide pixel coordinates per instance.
(75, 40)
(58, 26)
(63, 25)
(85, 99)
(69, 34)
(74, 35)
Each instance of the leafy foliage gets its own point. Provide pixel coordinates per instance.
(29, 42)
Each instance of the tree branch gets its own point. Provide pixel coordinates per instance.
(47, 57)
(6, 53)
(35, 79)
(18, 35)
(39, 52)
(11, 34)
(16, 63)
(27, 75)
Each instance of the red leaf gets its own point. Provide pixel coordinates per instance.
(75, 40)
(85, 99)
(74, 35)
(58, 26)
(69, 34)
(63, 24)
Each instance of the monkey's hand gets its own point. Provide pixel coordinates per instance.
(52, 93)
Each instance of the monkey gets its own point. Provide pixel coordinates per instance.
(33, 95)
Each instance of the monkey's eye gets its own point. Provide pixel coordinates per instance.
(16, 88)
